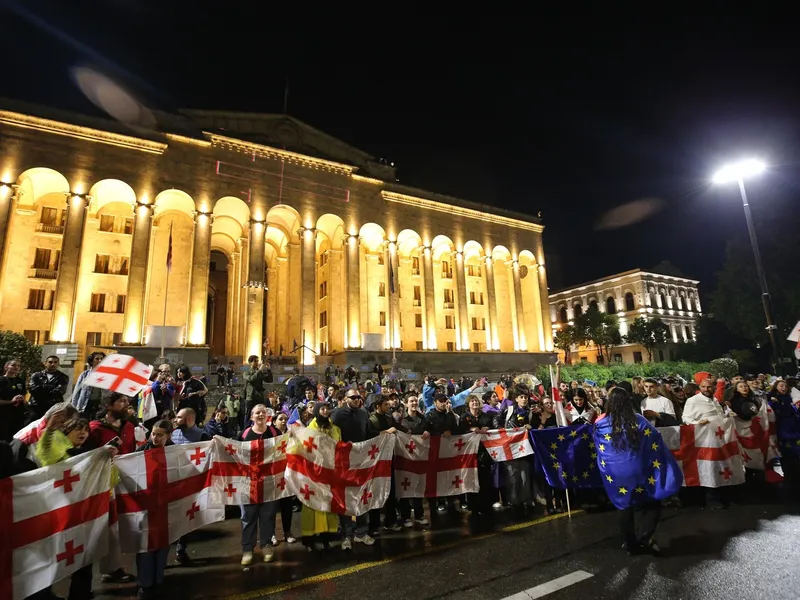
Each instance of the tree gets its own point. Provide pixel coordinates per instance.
(16, 346)
(647, 333)
(564, 339)
(602, 329)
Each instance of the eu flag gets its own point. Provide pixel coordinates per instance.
(636, 475)
(567, 456)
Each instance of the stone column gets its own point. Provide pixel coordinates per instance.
(272, 316)
(198, 294)
(295, 299)
(521, 339)
(230, 309)
(308, 298)
(353, 291)
(461, 290)
(337, 301)
(61, 328)
(492, 299)
(281, 295)
(547, 332)
(137, 273)
(430, 298)
(255, 290)
(6, 204)
(392, 272)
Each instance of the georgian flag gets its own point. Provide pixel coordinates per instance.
(436, 467)
(249, 472)
(507, 444)
(758, 438)
(338, 477)
(709, 455)
(120, 373)
(53, 521)
(163, 494)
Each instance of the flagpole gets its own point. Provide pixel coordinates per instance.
(163, 356)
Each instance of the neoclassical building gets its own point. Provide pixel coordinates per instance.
(279, 234)
(629, 295)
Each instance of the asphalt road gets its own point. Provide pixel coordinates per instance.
(747, 551)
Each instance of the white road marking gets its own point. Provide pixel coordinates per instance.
(544, 589)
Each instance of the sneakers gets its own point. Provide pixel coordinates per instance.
(347, 544)
(423, 521)
(441, 508)
(291, 540)
(365, 539)
(145, 594)
(118, 576)
(393, 527)
(269, 555)
(408, 523)
(497, 506)
(274, 540)
(247, 558)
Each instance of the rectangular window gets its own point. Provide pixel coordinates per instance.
(447, 271)
(451, 346)
(417, 293)
(381, 289)
(50, 216)
(41, 258)
(474, 270)
(449, 322)
(477, 347)
(40, 299)
(107, 223)
(584, 359)
(660, 356)
(121, 298)
(323, 259)
(46, 336)
(415, 265)
(478, 323)
(637, 357)
(32, 335)
(382, 317)
(116, 339)
(94, 338)
(476, 298)
(417, 320)
(618, 358)
(419, 345)
(127, 228)
(323, 318)
(323, 290)
(101, 263)
(380, 258)
(98, 303)
(448, 295)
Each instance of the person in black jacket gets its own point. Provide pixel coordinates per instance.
(442, 421)
(477, 421)
(47, 388)
(413, 423)
(381, 422)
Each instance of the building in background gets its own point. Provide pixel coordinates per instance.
(281, 236)
(630, 295)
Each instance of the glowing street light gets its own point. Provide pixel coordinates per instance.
(738, 172)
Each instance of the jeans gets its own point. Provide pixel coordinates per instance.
(150, 567)
(352, 528)
(406, 504)
(286, 507)
(258, 519)
(648, 520)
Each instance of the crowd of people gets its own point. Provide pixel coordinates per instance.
(353, 411)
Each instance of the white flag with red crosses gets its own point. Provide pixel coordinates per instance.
(338, 477)
(53, 521)
(120, 373)
(249, 472)
(507, 444)
(437, 466)
(163, 494)
(758, 438)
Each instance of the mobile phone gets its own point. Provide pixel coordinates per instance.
(116, 442)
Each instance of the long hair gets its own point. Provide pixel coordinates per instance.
(625, 429)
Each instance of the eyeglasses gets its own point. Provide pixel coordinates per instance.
(354, 397)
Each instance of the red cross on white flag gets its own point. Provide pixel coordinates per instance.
(53, 521)
(249, 472)
(438, 466)
(758, 438)
(706, 458)
(508, 443)
(338, 477)
(120, 373)
(157, 494)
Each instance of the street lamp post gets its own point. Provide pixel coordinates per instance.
(738, 172)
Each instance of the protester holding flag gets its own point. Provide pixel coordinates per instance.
(477, 421)
(517, 472)
(317, 526)
(637, 468)
(114, 424)
(787, 419)
(88, 398)
(277, 428)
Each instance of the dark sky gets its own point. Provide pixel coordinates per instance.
(571, 114)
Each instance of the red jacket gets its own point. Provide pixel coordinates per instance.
(100, 433)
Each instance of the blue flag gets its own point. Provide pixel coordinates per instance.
(567, 456)
(294, 417)
(635, 476)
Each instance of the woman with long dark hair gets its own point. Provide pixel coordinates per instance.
(638, 470)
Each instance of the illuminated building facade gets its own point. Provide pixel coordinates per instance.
(280, 233)
(630, 295)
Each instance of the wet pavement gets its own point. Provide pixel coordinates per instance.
(747, 551)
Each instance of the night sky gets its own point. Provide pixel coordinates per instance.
(571, 114)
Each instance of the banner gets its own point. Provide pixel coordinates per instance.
(709, 455)
(249, 472)
(437, 466)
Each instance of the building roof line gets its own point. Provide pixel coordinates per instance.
(581, 286)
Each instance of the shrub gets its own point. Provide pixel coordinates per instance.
(602, 373)
(15, 345)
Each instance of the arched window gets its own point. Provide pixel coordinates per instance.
(630, 304)
(663, 300)
(562, 314)
(611, 305)
(593, 305)
(578, 310)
